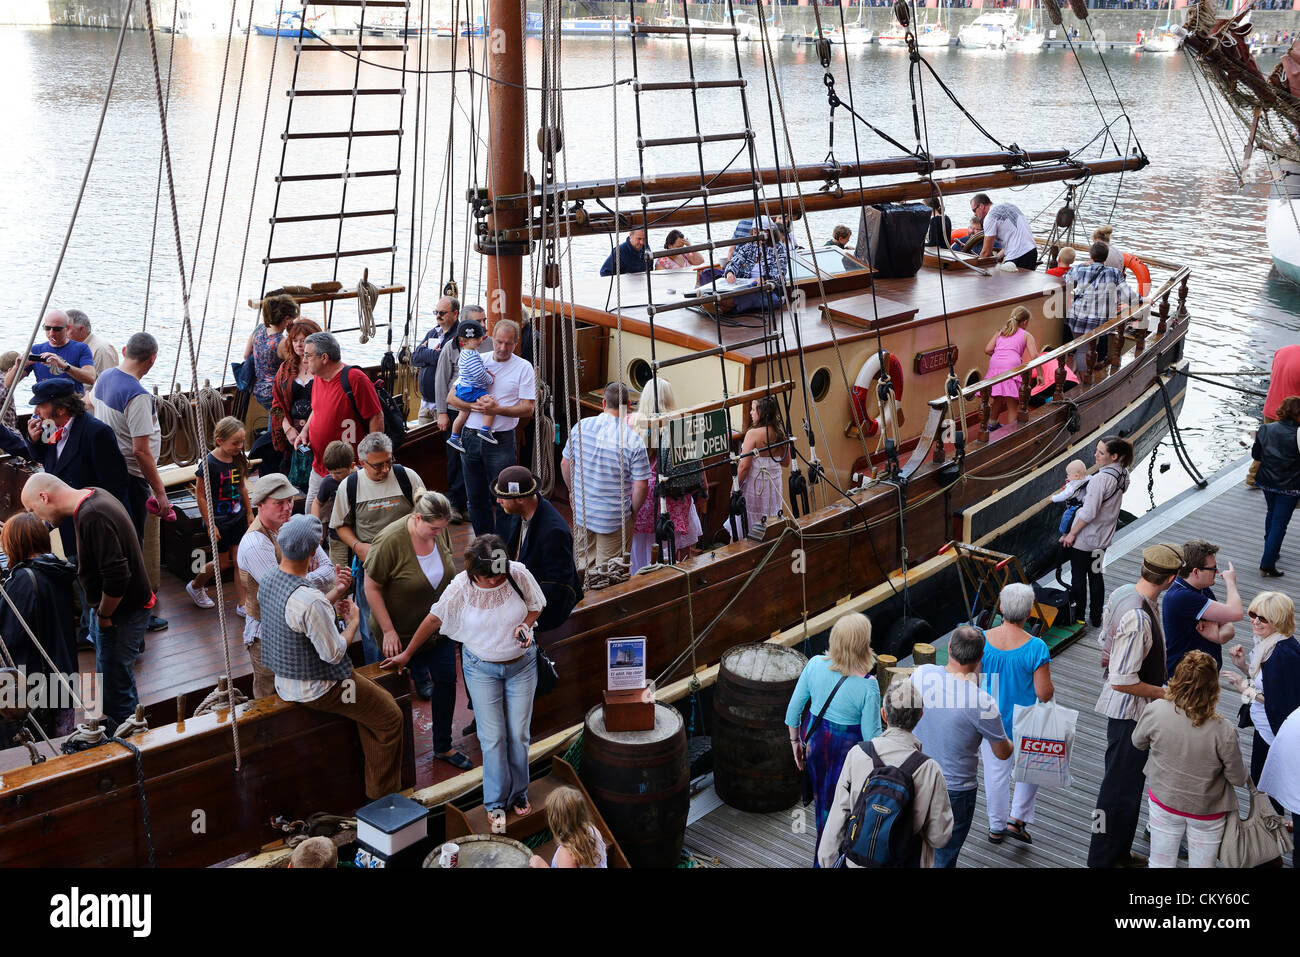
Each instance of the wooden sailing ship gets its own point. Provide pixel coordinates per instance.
(881, 380)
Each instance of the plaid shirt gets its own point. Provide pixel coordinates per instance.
(773, 259)
(1098, 290)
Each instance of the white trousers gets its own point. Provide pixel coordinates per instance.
(997, 792)
(1167, 831)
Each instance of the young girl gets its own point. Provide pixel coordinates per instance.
(579, 843)
(762, 465)
(225, 468)
(1013, 346)
(657, 397)
(473, 381)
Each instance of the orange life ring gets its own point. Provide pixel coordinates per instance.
(1140, 272)
(960, 233)
(864, 388)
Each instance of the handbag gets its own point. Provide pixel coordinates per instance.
(1260, 838)
(547, 676)
(809, 790)
(300, 468)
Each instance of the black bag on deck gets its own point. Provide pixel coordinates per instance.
(891, 238)
(1057, 598)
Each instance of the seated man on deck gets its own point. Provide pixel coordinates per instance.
(758, 260)
(302, 646)
(1006, 223)
(1098, 290)
(628, 257)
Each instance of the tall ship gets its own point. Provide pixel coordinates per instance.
(874, 356)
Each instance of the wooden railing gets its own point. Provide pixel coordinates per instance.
(1134, 325)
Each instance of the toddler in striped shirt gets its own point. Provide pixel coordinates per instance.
(473, 381)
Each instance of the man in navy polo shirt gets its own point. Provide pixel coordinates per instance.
(1194, 620)
(62, 356)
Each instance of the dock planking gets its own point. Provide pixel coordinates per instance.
(1226, 514)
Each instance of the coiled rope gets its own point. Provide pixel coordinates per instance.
(367, 297)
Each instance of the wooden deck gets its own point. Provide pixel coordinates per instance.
(1226, 514)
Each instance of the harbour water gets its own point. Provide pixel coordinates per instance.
(1186, 207)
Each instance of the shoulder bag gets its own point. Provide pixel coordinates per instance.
(547, 676)
(809, 789)
(1258, 839)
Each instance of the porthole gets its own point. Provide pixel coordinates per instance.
(820, 384)
(639, 373)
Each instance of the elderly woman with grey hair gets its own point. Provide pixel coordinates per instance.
(1015, 671)
(931, 811)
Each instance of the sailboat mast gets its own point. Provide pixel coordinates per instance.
(506, 111)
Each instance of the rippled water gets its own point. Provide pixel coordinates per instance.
(1185, 207)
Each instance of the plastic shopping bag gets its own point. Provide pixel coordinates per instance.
(1044, 736)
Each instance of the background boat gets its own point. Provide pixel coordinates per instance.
(288, 23)
(989, 30)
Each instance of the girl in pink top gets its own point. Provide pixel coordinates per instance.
(681, 260)
(1013, 346)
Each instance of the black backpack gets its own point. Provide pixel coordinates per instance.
(394, 415)
(880, 832)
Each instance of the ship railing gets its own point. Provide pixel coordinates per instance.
(1100, 365)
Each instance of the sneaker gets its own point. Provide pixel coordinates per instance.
(453, 442)
(239, 610)
(156, 623)
(487, 436)
(199, 595)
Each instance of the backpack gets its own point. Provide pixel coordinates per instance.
(678, 481)
(880, 830)
(394, 416)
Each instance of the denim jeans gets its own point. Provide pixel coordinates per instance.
(503, 707)
(436, 662)
(456, 479)
(482, 463)
(963, 812)
(1276, 520)
(116, 649)
(369, 646)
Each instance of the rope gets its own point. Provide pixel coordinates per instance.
(139, 758)
(1222, 385)
(76, 207)
(217, 699)
(1176, 437)
(157, 196)
(367, 297)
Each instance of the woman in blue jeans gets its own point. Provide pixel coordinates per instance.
(490, 609)
(1278, 453)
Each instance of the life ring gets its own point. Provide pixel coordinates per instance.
(962, 233)
(1140, 272)
(863, 389)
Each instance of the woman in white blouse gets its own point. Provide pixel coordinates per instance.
(490, 609)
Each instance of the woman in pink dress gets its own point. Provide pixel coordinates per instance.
(657, 398)
(1013, 346)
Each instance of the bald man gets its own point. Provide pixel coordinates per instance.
(61, 357)
(111, 569)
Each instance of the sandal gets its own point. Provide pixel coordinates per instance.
(456, 760)
(521, 806)
(1017, 831)
(996, 837)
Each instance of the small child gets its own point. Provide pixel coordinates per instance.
(577, 840)
(473, 380)
(1064, 260)
(7, 362)
(1072, 492)
(340, 461)
(225, 469)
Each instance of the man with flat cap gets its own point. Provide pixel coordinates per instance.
(543, 543)
(303, 648)
(272, 496)
(1133, 656)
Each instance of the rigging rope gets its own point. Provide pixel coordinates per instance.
(157, 197)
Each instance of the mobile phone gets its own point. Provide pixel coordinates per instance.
(35, 357)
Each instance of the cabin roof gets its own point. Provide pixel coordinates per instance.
(918, 300)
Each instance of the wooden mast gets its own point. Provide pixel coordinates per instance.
(506, 110)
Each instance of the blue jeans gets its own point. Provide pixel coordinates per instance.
(483, 462)
(436, 662)
(456, 480)
(963, 812)
(116, 649)
(1280, 508)
(369, 647)
(503, 707)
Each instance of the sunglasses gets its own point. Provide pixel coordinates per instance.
(442, 312)
(56, 328)
(1254, 617)
(1207, 568)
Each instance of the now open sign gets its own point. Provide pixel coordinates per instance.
(698, 436)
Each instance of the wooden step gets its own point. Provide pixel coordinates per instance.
(520, 828)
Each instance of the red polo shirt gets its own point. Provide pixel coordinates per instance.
(332, 414)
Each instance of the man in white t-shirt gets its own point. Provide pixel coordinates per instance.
(513, 396)
(1004, 222)
(958, 716)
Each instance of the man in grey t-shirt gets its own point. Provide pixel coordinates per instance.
(958, 715)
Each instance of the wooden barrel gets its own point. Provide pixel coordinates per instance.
(485, 850)
(753, 769)
(924, 654)
(884, 671)
(640, 781)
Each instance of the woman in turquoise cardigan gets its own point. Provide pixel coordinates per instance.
(837, 682)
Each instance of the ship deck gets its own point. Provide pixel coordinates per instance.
(1225, 513)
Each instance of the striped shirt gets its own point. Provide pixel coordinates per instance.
(119, 400)
(1128, 650)
(471, 372)
(613, 456)
(760, 262)
(1098, 291)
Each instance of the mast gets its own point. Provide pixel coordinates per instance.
(506, 111)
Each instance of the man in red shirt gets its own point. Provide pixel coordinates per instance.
(1284, 381)
(335, 415)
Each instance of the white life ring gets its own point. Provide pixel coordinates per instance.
(864, 388)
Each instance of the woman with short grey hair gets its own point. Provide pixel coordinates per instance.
(1015, 671)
